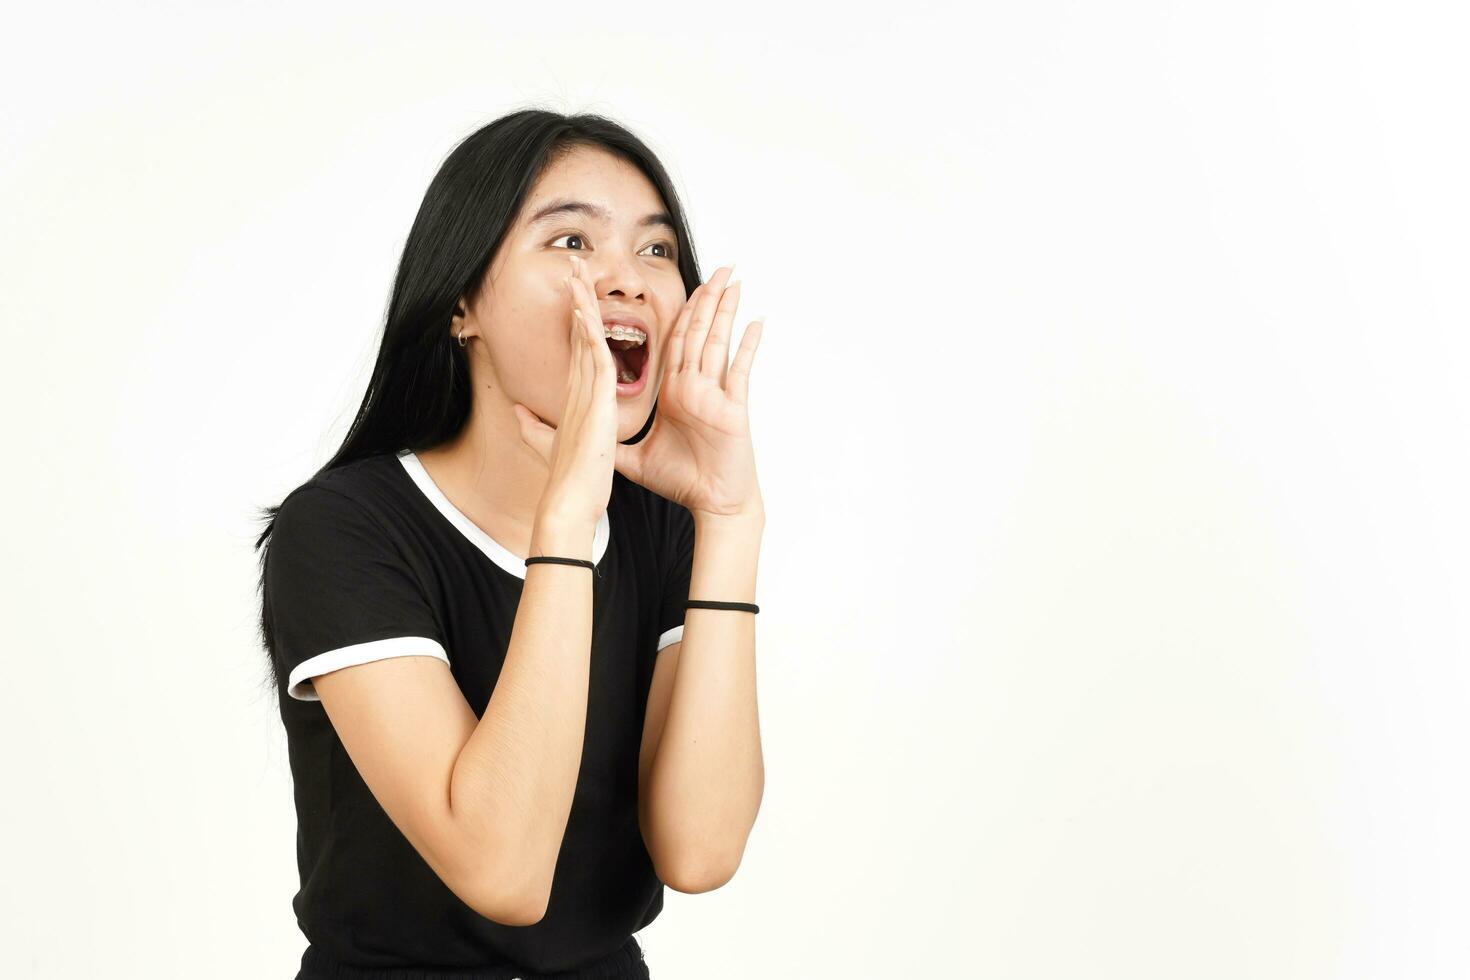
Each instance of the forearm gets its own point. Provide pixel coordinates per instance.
(516, 776)
(707, 775)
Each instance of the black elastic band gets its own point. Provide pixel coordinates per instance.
(712, 604)
(566, 561)
(749, 607)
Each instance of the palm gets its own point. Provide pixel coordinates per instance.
(698, 451)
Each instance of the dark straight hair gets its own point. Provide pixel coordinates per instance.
(419, 395)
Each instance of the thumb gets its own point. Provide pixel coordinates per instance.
(628, 460)
(534, 433)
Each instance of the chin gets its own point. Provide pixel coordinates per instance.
(638, 414)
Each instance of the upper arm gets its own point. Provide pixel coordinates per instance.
(352, 628)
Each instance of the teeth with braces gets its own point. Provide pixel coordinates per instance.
(620, 332)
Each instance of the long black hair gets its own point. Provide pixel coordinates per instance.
(419, 394)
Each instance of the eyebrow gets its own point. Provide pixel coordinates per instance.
(562, 206)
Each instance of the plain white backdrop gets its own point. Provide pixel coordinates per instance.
(1111, 419)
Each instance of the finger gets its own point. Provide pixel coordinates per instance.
(673, 355)
(574, 357)
(531, 435)
(738, 384)
(572, 327)
(604, 367)
(587, 292)
(534, 432)
(717, 345)
(601, 359)
(582, 372)
(628, 460)
(577, 380)
(699, 320)
(590, 366)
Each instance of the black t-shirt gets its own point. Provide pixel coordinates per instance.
(370, 560)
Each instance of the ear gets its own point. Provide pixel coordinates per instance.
(456, 319)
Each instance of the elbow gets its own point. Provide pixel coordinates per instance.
(693, 865)
(509, 908)
(509, 896)
(694, 873)
(497, 870)
(527, 912)
(692, 862)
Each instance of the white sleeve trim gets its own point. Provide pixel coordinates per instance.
(300, 687)
(670, 637)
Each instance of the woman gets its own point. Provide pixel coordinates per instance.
(476, 611)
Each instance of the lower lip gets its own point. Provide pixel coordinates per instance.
(636, 388)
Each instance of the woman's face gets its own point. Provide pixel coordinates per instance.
(523, 320)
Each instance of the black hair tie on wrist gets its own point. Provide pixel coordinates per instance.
(566, 561)
(712, 604)
(749, 607)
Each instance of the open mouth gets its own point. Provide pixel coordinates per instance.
(630, 357)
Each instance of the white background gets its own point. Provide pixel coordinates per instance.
(1110, 415)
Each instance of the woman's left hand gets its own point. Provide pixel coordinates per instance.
(698, 451)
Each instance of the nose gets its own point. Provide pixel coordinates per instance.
(618, 275)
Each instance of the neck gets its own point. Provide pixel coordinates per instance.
(490, 474)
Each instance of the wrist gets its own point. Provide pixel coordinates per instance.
(752, 520)
(562, 537)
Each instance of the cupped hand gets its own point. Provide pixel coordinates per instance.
(698, 451)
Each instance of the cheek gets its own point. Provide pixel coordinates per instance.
(537, 320)
(532, 344)
(530, 289)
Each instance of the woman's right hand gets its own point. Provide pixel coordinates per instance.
(582, 448)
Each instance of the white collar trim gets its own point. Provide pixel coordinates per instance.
(494, 550)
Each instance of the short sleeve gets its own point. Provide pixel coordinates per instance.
(678, 565)
(339, 593)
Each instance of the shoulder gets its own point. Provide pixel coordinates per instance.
(344, 498)
(361, 481)
(333, 532)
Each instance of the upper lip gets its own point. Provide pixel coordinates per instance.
(626, 319)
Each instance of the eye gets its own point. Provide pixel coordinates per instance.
(668, 252)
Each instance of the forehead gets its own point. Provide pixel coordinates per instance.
(594, 185)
